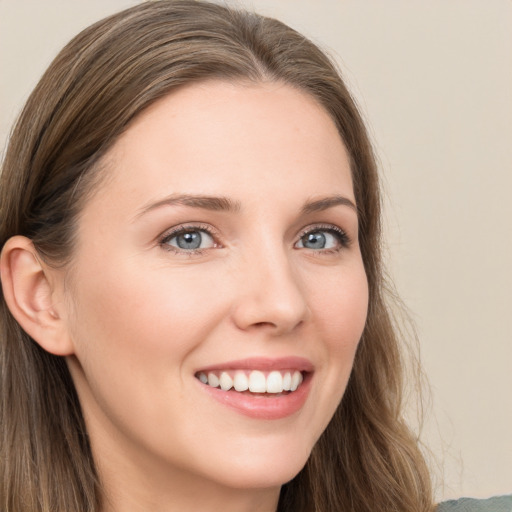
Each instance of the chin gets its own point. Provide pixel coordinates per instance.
(261, 478)
(261, 470)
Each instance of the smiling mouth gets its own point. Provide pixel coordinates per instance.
(270, 383)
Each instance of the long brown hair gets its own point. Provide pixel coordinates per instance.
(367, 459)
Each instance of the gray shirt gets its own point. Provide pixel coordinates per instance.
(497, 504)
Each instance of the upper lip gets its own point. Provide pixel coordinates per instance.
(263, 364)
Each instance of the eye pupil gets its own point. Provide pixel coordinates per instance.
(191, 240)
(316, 240)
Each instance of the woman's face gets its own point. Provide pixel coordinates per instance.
(221, 246)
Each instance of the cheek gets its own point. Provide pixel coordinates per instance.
(133, 328)
(339, 313)
(341, 308)
(142, 310)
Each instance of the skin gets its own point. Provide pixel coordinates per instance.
(141, 316)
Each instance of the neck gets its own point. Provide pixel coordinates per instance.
(193, 498)
(134, 483)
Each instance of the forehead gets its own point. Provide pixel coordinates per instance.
(231, 139)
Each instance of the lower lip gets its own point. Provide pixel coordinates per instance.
(264, 407)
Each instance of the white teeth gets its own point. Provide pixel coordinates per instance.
(274, 382)
(226, 382)
(287, 381)
(296, 380)
(257, 382)
(241, 382)
(213, 380)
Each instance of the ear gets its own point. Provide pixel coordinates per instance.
(31, 292)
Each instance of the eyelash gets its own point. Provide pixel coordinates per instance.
(341, 236)
(189, 228)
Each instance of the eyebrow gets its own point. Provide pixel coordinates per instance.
(221, 203)
(327, 202)
(194, 201)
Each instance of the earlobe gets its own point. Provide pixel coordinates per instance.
(29, 290)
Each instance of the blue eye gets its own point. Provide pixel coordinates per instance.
(190, 240)
(320, 239)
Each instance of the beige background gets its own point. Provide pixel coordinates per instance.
(434, 79)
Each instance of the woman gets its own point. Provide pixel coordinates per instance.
(192, 284)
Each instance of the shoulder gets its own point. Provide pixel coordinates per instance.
(497, 504)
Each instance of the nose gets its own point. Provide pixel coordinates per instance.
(271, 295)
